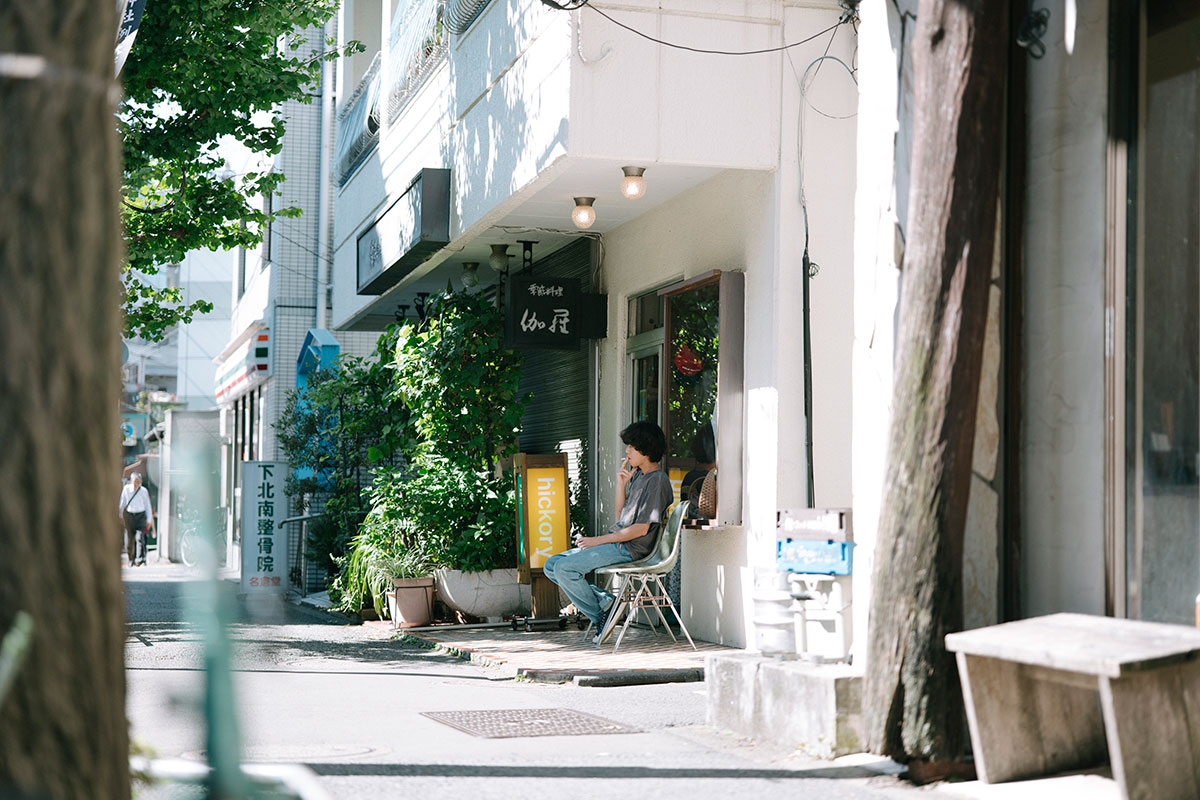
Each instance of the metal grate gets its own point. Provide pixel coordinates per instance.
(519, 722)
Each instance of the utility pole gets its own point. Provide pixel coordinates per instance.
(912, 701)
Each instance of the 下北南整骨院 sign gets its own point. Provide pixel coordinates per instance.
(264, 546)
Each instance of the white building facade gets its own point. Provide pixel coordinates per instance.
(748, 159)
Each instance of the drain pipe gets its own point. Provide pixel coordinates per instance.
(323, 265)
(808, 410)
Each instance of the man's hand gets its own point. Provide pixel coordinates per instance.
(625, 473)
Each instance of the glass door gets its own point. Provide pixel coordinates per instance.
(1162, 545)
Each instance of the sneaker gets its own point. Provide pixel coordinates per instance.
(604, 612)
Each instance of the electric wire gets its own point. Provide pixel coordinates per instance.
(572, 5)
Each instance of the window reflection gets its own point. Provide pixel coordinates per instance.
(691, 362)
(1163, 547)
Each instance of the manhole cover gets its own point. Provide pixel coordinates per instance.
(511, 723)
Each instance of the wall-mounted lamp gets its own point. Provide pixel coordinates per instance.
(633, 185)
(470, 274)
(584, 215)
(498, 260)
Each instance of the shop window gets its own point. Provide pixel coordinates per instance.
(1163, 348)
(645, 349)
(701, 384)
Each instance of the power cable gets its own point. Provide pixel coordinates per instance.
(572, 5)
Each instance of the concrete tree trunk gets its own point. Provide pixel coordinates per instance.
(63, 730)
(913, 704)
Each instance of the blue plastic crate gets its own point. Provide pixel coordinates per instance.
(815, 557)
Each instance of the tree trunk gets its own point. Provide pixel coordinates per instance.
(913, 702)
(63, 730)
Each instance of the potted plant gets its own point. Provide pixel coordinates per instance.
(410, 601)
(386, 549)
(460, 385)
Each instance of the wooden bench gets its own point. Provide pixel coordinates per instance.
(1051, 694)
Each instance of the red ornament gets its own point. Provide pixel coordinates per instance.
(687, 362)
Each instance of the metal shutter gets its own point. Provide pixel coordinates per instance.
(557, 417)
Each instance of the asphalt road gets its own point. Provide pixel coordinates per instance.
(347, 702)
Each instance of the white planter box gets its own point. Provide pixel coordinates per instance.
(490, 594)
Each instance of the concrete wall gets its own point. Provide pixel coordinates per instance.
(495, 113)
(877, 237)
(1062, 525)
(752, 221)
(645, 103)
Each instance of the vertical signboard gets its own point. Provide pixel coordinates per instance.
(543, 513)
(264, 546)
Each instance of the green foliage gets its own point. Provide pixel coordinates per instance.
(460, 381)
(384, 548)
(344, 422)
(691, 401)
(203, 71)
(460, 384)
(463, 515)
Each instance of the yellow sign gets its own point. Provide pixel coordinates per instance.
(549, 522)
(676, 477)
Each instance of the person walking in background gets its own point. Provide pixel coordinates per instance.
(138, 516)
(643, 494)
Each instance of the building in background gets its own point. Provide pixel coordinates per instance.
(278, 294)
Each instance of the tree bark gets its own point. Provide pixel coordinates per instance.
(913, 703)
(63, 730)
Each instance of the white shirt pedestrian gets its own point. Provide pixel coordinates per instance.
(137, 497)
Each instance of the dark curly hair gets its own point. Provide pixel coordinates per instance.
(647, 438)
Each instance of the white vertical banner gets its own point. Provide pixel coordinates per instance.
(264, 545)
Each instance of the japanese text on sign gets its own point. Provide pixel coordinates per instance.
(263, 545)
(558, 322)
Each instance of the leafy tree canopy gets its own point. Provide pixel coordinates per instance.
(202, 70)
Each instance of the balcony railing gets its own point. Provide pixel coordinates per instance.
(416, 46)
(358, 124)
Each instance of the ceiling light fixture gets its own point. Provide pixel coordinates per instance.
(584, 215)
(498, 260)
(633, 185)
(470, 274)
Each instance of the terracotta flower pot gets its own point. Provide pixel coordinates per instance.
(410, 602)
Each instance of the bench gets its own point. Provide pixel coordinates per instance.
(1054, 693)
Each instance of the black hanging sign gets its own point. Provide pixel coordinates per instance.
(131, 17)
(542, 313)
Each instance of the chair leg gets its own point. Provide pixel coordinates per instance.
(619, 606)
(634, 605)
(658, 607)
(682, 627)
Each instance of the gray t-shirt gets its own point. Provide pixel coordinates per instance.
(647, 496)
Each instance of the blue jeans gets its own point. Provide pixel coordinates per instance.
(569, 568)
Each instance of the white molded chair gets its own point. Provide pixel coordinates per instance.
(643, 583)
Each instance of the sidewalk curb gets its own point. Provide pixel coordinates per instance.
(325, 611)
(580, 677)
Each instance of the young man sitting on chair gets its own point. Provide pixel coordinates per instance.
(643, 495)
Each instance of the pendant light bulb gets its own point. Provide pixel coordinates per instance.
(584, 214)
(633, 185)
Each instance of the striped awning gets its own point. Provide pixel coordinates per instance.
(246, 367)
